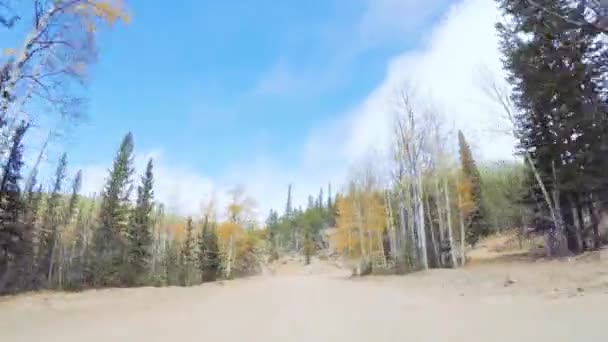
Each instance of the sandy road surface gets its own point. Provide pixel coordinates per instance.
(302, 308)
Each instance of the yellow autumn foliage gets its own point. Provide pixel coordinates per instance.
(93, 11)
(465, 193)
(361, 221)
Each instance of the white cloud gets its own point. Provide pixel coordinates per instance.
(181, 189)
(381, 22)
(446, 69)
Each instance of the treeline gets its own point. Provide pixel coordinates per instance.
(58, 239)
(298, 230)
(38, 83)
(53, 237)
(556, 101)
(431, 211)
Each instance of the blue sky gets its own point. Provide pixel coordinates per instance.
(266, 93)
(214, 81)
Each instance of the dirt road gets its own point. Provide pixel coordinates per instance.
(302, 308)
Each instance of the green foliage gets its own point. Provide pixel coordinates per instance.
(140, 230)
(556, 73)
(10, 192)
(109, 238)
(273, 227)
(299, 230)
(477, 224)
(16, 238)
(209, 253)
(504, 187)
(186, 259)
(50, 224)
(171, 263)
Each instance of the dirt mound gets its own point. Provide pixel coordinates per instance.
(506, 246)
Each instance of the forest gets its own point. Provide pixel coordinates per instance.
(419, 206)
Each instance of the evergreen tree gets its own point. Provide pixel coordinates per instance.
(15, 237)
(172, 264)
(75, 278)
(209, 254)
(73, 202)
(476, 222)
(311, 202)
(556, 71)
(186, 255)
(32, 199)
(320, 199)
(273, 227)
(288, 205)
(50, 224)
(109, 237)
(140, 234)
(329, 198)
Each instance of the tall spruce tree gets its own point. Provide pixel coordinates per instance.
(75, 278)
(140, 230)
(74, 197)
(320, 199)
(109, 238)
(15, 237)
(311, 202)
(208, 253)
(288, 205)
(562, 120)
(50, 224)
(329, 198)
(187, 255)
(477, 225)
(273, 227)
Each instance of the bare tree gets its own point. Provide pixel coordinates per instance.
(8, 16)
(410, 136)
(500, 94)
(54, 55)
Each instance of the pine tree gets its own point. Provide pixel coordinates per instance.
(477, 225)
(329, 198)
(32, 199)
(273, 228)
(15, 237)
(208, 252)
(76, 276)
(50, 225)
(288, 223)
(140, 234)
(320, 199)
(186, 255)
(311, 202)
(288, 205)
(562, 116)
(73, 202)
(109, 237)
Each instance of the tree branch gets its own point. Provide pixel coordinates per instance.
(582, 24)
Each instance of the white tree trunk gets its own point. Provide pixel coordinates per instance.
(421, 222)
(442, 223)
(577, 224)
(360, 229)
(449, 221)
(391, 227)
(229, 257)
(462, 232)
(432, 231)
